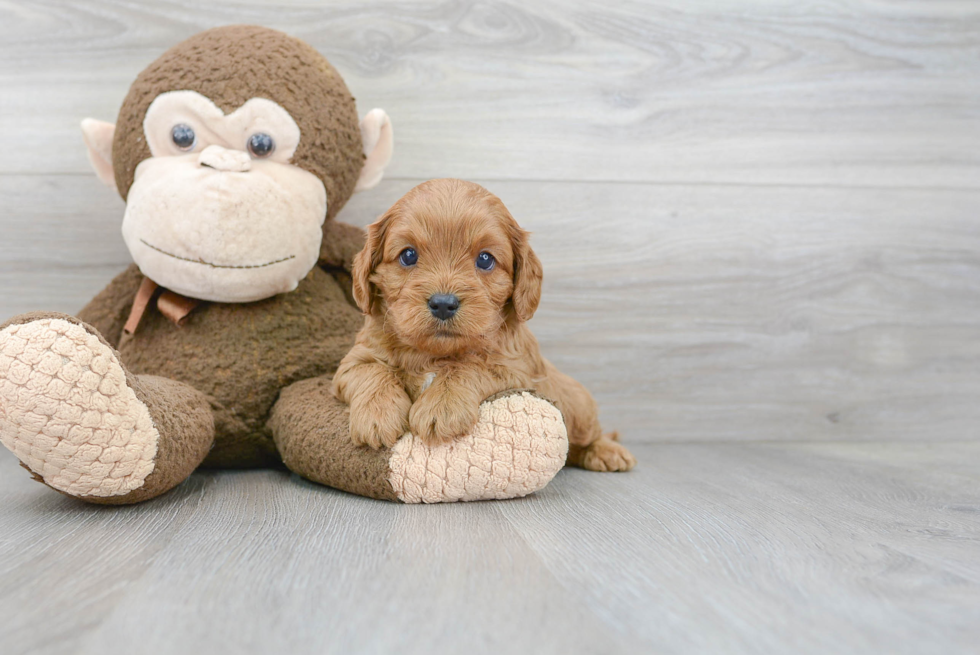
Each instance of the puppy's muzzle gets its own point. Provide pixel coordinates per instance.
(443, 305)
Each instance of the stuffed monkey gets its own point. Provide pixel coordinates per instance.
(234, 151)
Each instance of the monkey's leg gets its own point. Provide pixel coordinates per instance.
(311, 429)
(516, 448)
(84, 425)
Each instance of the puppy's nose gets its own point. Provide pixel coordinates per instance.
(443, 305)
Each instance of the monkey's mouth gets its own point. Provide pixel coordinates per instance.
(211, 264)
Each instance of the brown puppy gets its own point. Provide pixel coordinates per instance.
(447, 281)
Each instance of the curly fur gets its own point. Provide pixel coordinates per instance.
(411, 371)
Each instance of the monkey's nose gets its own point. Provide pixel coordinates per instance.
(223, 159)
(443, 305)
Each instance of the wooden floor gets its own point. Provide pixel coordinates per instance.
(760, 226)
(712, 548)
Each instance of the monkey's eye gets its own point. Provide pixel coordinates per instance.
(408, 257)
(485, 261)
(261, 145)
(183, 136)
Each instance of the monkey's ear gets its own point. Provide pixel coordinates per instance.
(98, 137)
(378, 138)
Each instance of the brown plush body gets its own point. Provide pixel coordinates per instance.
(211, 384)
(238, 355)
(448, 280)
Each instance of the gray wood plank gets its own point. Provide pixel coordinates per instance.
(260, 562)
(804, 548)
(692, 312)
(856, 93)
(738, 548)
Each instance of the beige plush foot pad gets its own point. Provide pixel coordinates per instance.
(516, 448)
(67, 412)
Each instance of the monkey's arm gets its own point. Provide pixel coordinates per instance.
(340, 243)
(108, 311)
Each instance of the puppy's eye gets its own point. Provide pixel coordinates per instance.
(485, 261)
(183, 136)
(408, 257)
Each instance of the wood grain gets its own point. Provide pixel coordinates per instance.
(787, 92)
(843, 548)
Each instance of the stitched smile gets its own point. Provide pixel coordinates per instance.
(201, 261)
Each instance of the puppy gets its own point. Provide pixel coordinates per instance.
(447, 281)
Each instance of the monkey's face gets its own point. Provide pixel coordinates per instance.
(218, 212)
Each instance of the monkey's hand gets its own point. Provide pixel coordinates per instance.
(380, 418)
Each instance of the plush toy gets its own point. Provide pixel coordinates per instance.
(234, 151)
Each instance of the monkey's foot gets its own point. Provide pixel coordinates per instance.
(68, 411)
(519, 443)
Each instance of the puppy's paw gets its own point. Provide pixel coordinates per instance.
(604, 454)
(379, 419)
(437, 420)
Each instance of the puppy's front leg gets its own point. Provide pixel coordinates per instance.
(451, 406)
(378, 402)
(447, 409)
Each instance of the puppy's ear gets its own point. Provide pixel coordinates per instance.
(365, 293)
(528, 274)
